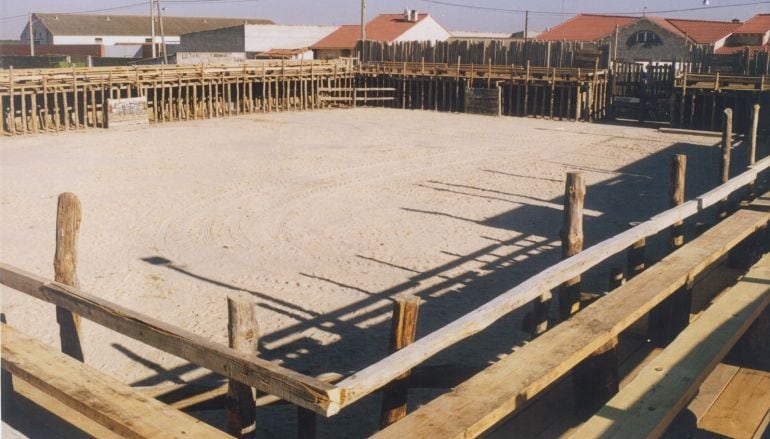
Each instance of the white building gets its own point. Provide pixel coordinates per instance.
(258, 40)
(409, 26)
(121, 35)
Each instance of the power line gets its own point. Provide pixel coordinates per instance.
(521, 11)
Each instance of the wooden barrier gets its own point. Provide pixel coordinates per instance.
(488, 397)
(264, 375)
(378, 374)
(650, 402)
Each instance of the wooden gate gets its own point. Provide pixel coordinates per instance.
(642, 92)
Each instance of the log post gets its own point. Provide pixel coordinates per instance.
(6, 384)
(753, 144)
(617, 278)
(596, 380)
(306, 424)
(637, 258)
(724, 164)
(68, 216)
(402, 331)
(676, 193)
(243, 336)
(672, 315)
(572, 240)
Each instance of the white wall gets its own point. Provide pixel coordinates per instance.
(426, 30)
(109, 40)
(263, 37)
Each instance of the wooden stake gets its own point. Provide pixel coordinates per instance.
(402, 332)
(676, 193)
(595, 380)
(724, 164)
(572, 240)
(243, 336)
(753, 144)
(68, 216)
(637, 259)
(617, 278)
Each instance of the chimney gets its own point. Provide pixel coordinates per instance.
(413, 16)
(736, 21)
(406, 14)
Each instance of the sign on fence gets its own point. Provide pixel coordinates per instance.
(484, 101)
(127, 111)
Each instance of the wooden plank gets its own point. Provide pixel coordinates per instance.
(742, 407)
(488, 397)
(264, 375)
(648, 405)
(110, 403)
(37, 400)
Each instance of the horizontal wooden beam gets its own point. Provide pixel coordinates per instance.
(648, 405)
(488, 397)
(97, 396)
(299, 389)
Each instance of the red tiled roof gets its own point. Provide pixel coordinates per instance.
(703, 31)
(586, 27)
(725, 50)
(757, 24)
(384, 27)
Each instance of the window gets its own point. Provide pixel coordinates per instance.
(148, 40)
(98, 39)
(645, 38)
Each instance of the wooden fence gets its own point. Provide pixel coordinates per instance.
(73, 99)
(536, 53)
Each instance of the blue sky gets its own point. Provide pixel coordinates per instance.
(347, 11)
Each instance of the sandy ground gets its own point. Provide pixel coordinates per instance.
(321, 218)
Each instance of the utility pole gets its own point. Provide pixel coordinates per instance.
(363, 29)
(31, 37)
(526, 25)
(162, 35)
(152, 29)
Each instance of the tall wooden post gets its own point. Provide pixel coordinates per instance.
(672, 315)
(6, 384)
(753, 143)
(243, 336)
(402, 331)
(724, 164)
(572, 240)
(676, 193)
(637, 257)
(65, 262)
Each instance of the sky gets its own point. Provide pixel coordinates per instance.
(545, 13)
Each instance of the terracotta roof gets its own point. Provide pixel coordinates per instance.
(703, 31)
(135, 25)
(757, 24)
(725, 50)
(586, 27)
(384, 27)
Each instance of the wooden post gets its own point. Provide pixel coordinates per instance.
(402, 332)
(68, 216)
(753, 143)
(6, 384)
(595, 380)
(306, 423)
(676, 192)
(724, 164)
(572, 240)
(672, 315)
(617, 278)
(637, 259)
(243, 336)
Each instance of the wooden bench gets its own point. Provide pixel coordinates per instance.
(107, 402)
(481, 402)
(648, 405)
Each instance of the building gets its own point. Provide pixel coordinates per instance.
(754, 35)
(643, 39)
(121, 35)
(264, 41)
(409, 26)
